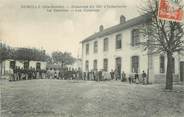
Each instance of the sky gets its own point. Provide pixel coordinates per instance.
(57, 31)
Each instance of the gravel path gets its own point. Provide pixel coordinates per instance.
(58, 98)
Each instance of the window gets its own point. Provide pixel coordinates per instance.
(95, 64)
(118, 41)
(173, 64)
(162, 64)
(135, 37)
(106, 44)
(38, 66)
(12, 64)
(26, 65)
(87, 65)
(105, 64)
(135, 64)
(87, 48)
(95, 47)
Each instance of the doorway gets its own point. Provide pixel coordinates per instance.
(12, 64)
(182, 71)
(118, 68)
(26, 65)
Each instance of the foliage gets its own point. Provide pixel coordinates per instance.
(63, 58)
(30, 54)
(48, 59)
(7, 52)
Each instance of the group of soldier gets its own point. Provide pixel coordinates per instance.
(28, 74)
(103, 75)
(65, 74)
(17, 74)
(142, 78)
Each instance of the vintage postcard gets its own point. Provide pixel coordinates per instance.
(91, 58)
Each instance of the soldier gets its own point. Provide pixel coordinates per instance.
(103, 75)
(22, 74)
(144, 77)
(100, 75)
(34, 73)
(37, 74)
(29, 73)
(26, 74)
(44, 74)
(130, 79)
(136, 78)
(15, 74)
(59, 75)
(92, 74)
(112, 74)
(18, 73)
(116, 74)
(87, 75)
(83, 75)
(123, 77)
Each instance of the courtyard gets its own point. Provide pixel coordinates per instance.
(73, 98)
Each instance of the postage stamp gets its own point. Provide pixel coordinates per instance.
(170, 10)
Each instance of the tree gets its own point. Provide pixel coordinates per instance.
(63, 58)
(30, 54)
(163, 37)
(6, 52)
(48, 59)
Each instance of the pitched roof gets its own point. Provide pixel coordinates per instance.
(132, 22)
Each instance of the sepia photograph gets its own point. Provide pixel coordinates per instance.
(92, 58)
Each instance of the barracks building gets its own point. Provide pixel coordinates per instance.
(117, 48)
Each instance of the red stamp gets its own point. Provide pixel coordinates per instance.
(170, 10)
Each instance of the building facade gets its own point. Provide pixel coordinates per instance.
(9, 64)
(117, 48)
(77, 65)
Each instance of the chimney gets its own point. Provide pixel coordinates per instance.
(101, 28)
(122, 19)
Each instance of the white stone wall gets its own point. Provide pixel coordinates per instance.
(43, 65)
(160, 77)
(126, 52)
(33, 64)
(20, 64)
(76, 65)
(6, 65)
(156, 63)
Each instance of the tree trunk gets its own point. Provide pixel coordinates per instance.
(169, 76)
(0, 69)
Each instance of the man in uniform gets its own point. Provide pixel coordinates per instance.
(144, 77)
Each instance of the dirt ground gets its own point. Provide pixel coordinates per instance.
(58, 98)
